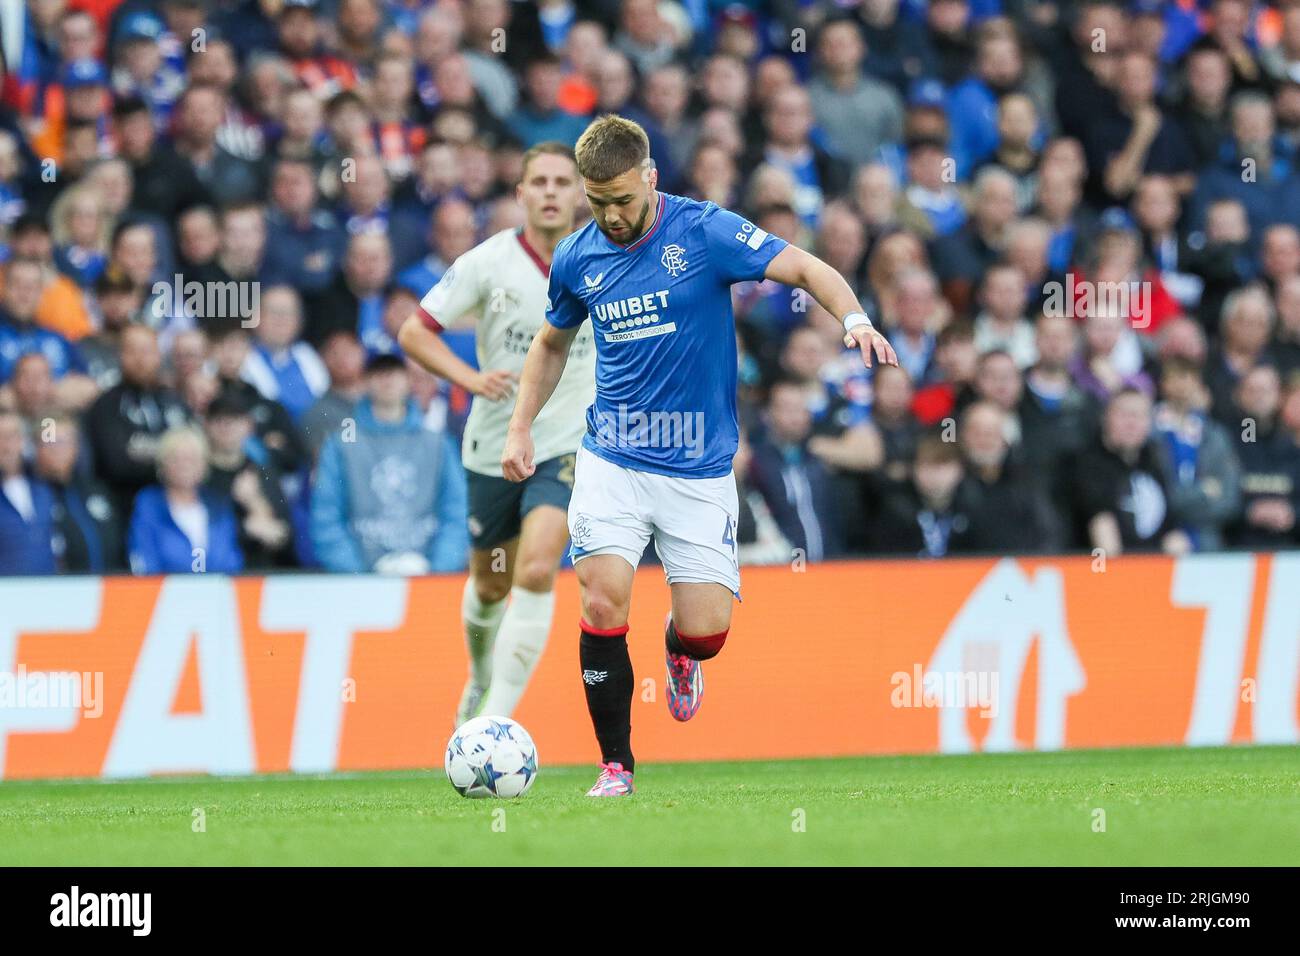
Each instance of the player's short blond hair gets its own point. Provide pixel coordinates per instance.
(548, 148)
(609, 147)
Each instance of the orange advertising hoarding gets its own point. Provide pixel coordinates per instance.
(122, 677)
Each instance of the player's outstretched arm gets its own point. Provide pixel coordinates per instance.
(433, 354)
(793, 266)
(542, 370)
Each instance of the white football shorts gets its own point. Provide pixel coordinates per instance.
(616, 510)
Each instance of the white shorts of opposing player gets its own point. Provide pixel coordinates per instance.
(616, 510)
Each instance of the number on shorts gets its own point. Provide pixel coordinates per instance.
(728, 535)
(567, 463)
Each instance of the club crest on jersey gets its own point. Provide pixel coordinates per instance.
(591, 283)
(673, 259)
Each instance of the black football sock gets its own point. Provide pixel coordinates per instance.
(673, 642)
(607, 680)
(696, 648)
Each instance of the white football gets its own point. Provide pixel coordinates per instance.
(491, 757)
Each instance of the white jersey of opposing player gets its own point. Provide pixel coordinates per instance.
(499, 289)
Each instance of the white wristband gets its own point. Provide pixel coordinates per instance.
(854, 319)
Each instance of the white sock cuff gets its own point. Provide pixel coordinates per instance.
(475, 611)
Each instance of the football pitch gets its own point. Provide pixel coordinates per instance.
(1220, 806)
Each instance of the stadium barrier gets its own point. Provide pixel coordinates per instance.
(121, 677)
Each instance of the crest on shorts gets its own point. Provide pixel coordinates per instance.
(581, 531)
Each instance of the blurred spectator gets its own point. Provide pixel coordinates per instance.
(1157, 209)
(1056, 417)
(1001, 324)
(118, 300)
(998, 382)
(80, 234)
(177, 526)
(164, 183)
(962, 257)
(1206, 477)
(644, 35)
(931, 198)
(795, 484)
(354, 301)
(1019, 146)
(452, 233)
(955, 359)
(921, 516)
(1249, 168)
(1286, 346)
(126, 422)
(1137, 137)
(859, 114)
(282, 368)
(913, 332)
(540, 117)
(892, 416)
(1122, 489)
(26, 525)
(788, 123)
(1270, 465)
(1203, 112)
(231, 350)
(19, 333)
(391, 498)
(1223, 261)
(1247, 330)
(252, 486)
(344, 359)
(1110, 359)
(1007, 507)
(31, 389)
(758, 538)
(304, 244)
(973, 103)
(228, 178)
(1279, 254)
(899, 51)
(87, 533)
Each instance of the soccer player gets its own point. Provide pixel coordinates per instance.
(652, 273)
(517, 531)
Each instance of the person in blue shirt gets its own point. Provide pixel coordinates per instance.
(26, 507)
(393, 497)
(652, 274)
(283, 368)
(177, 526)
(540, 118)
(24, 281)
(304, 244)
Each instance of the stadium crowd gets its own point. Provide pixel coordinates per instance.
(1077, 222)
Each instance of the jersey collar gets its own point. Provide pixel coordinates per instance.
(538, 261)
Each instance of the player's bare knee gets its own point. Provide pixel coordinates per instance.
(535, 574)
(603, 610)
(491, 588)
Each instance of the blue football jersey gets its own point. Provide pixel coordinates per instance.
(665, 335)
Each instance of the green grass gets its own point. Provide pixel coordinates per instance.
(1230, 806)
